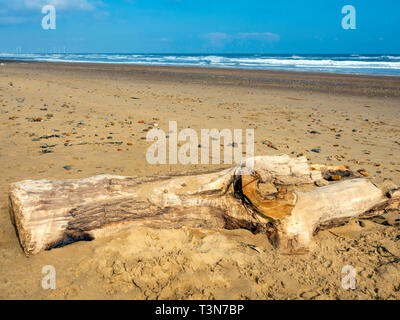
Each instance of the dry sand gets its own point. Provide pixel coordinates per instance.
(354, 120)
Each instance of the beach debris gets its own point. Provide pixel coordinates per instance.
(35, 119)
(363, 172)
(47, 148)
(321, 183)
(334, 173)
(269, 144)
(108, 143)
(251, 246)
(46, 137)
(44, 151)
(314, 132)
(74, 209)
(316, 150)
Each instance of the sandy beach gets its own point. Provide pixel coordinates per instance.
(64, 121)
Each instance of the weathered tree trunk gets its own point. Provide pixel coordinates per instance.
(276, 195)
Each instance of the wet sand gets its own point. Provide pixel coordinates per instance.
(61, 121)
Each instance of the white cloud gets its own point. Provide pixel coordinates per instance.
(59, 4)
(216, 36)
(259, 36)
(20, 11)
(31, 5)
(11, 19)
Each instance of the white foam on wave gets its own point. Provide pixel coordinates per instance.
(388, 64)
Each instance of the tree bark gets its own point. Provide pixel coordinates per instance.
(272, 194)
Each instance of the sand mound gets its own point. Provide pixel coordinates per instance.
(219, 264)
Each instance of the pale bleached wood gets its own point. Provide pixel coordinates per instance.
(271, 194)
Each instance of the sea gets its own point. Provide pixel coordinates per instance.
(377, 64)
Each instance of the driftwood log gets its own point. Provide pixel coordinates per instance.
(278, 195)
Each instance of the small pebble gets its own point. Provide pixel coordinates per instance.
(363, 172)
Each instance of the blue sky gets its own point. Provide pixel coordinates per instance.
(201, 26)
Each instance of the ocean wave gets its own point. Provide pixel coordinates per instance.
(364, 64)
